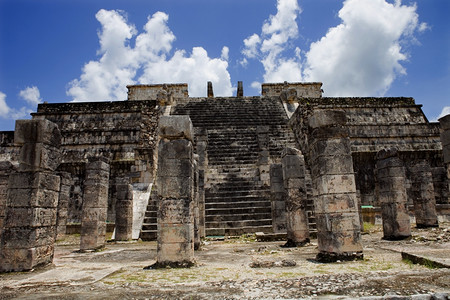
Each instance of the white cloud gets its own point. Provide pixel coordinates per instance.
(31, 95)
(4, 108)
(362, 56)
(119, 64)
(277, 34)
(7, 112)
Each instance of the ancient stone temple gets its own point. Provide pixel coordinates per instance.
(238, 184)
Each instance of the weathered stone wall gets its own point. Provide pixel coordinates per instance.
(125, 132)
(302, 89)
(178, 91)
(378, 123)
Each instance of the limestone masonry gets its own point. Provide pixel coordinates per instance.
(168, 167)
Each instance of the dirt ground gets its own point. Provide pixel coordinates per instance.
(239, 268)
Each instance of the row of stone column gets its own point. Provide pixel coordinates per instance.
(336, 201)
(34, 200)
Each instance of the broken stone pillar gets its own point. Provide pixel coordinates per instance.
(277, 197)
(445, 141)
(201, 147)
(63, 204)
(391, 192)
(6, 168)
(336, 209)
(95, 205)
(293, 165)
(175, 184)
(124, 210)
(210, 90)
(240, 90)
(423, 195)
(30, 223)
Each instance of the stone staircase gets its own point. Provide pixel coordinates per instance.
(236, 199)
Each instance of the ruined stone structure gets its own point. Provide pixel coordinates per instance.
(239, 142)
(29, 228)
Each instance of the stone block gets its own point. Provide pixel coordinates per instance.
(37, 180)
(388, 184)
(95, 196)
(327, 118)
(336, 203)
(171, 167)
(293, 167)
(37, 131)
(97, 166)
(176, 127)
(334, 184)
(175, 233)
(28, 237)
(175, 253)
(330, 147)
(36, 157)
(387, 153)
(30, 217)
(398, 171)
(175, 149)
(325, 133)
(93, 215)
(18, 260)
(175, 211)
(335, 165)
(31, 197)
(392, 196)
(175, 187)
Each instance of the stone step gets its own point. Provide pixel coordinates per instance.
(237, 217)
(236, 231)
(239, 223)
(238, 210)
(213, 206)
(149, 235)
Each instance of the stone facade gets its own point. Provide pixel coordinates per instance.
(239, 140)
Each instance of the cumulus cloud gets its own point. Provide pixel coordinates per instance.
(277, 35)
(7, 112)
(362, 56)
(119, 64)
(31, 95)
(4, 108)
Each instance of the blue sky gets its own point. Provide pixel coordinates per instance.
(83, 50)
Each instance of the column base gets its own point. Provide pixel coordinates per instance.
(292, 244)
(170, 264)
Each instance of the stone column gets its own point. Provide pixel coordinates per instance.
(63, 203)
(423, 195)
(240, 90)
(277, 196)
(294, 172)
(124, 210)
(197, 240)
(264, 161)
(445, 140)
(210, 90)
(391, 192)
(175, 184)
(6, 168)
(95, 205)
(201, 147)
(30, 224)
(336, 210)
